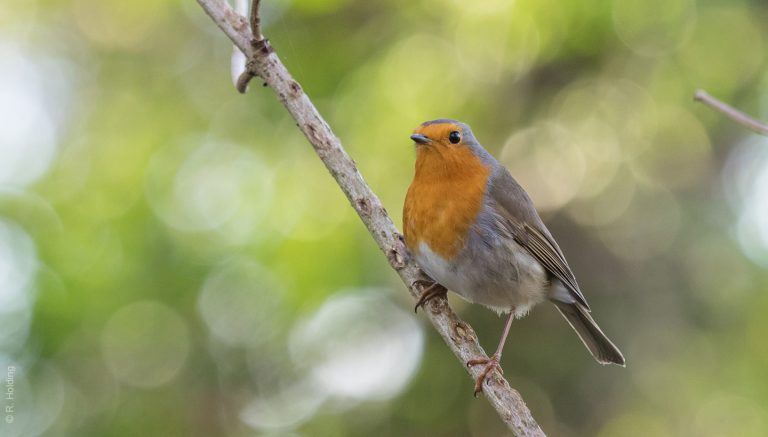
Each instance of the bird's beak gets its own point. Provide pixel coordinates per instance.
(421, 139)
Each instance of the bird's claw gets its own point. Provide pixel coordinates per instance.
(490, 364)
(430, 292)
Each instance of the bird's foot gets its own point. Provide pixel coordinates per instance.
(429, 291)
(490, 364)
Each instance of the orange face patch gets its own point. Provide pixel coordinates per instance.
(445, 196)
(437, 132)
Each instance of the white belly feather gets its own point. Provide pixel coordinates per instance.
(511, 280)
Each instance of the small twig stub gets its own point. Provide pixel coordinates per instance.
(255, 20)
(261, 47)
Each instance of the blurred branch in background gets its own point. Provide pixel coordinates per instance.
(731, 112)
(460, 337)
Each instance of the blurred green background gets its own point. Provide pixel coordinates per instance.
(175, 260)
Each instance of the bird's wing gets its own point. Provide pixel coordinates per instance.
(529, 231)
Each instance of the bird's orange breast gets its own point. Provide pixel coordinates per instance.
(444, 199)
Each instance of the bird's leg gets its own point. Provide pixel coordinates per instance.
(492, 362)
(429, 290)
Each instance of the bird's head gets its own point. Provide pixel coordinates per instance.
(443, 135)
(448, 149)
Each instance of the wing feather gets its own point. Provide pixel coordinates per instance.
(549, 255)
(529, 231)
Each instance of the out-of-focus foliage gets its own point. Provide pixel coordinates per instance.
(174, 259)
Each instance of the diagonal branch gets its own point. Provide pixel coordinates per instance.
(459, 336)
(731, 112)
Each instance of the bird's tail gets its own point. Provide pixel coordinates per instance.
(604, 351)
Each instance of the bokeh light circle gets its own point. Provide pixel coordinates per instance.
(205, 185)
(359, 345)
(145, 344)
(240, 298)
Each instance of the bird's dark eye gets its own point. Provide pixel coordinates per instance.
(454, 137)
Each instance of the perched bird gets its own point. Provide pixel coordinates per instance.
(474, 230)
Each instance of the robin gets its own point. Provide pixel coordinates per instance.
(474, 230)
